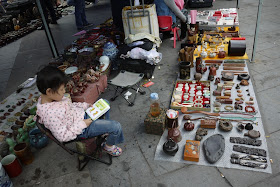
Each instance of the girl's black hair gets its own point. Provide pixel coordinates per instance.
(50, 77)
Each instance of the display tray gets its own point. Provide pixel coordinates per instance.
(218, 17)
(194, 94)
(225, 42)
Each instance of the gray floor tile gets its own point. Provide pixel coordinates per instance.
(136, 167)
(269, 182)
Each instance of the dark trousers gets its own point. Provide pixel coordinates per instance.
(80, 13)
(47, 7)
(116, 8)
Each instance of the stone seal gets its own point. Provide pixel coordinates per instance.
(214, 148)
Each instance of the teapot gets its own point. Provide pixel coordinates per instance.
(170, 147)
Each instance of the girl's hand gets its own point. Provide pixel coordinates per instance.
(88, 121)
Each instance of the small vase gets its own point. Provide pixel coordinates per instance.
(23, 152)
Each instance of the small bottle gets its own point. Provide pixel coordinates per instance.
(154, 108)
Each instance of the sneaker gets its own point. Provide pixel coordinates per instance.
(80, 28)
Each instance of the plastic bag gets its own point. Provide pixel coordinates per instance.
(152, 57)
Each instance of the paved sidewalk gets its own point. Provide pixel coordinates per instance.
(136, 167)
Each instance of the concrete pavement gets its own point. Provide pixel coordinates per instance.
(136, 167)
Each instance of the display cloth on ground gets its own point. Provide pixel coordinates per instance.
(224, 161)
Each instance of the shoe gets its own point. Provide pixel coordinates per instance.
(54, 22)
(88, 25)
(114, 151)
(80, 28)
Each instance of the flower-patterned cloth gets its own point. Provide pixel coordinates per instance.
(63, 118)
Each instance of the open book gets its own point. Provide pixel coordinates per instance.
(99, 108)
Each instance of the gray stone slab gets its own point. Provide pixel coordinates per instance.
(270, 182)
(195, 176)
(78, 178)
(270, 112)
(247, 29)
(271, 53)
(36, 40)
(267, 80)
(49, 163)
(274, 151)
(125, 169)
(266, 46)
(263, 63)
(242, 178)
(8, 54)
(268, 26)
(34, 60)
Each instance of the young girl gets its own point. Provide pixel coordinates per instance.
(66, 119)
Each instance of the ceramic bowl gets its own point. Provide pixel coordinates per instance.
(71, 70)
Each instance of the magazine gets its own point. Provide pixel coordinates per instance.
(99, 108)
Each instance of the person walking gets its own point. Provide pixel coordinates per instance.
(80, 15)
(47, 6)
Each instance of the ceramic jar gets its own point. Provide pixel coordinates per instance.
(212, 55)
(203, 54)
(222, 54)
(110, 50)
(37, 138)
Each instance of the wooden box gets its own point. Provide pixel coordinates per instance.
(208, 123)
(191, 151)
(155, 125)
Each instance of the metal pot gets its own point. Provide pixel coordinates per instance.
(170, 147)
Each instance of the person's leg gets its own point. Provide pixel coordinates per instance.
(78, 12)
(183, 30)
(99, 127)
(83, 13)
(184, 25)
(49, 6)
(44, 7)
